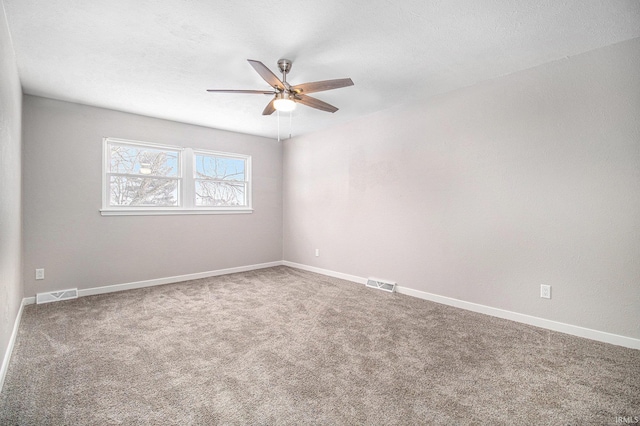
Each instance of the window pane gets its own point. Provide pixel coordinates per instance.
(135, 191)
(220, 168)
(143, 161)
(220, 194)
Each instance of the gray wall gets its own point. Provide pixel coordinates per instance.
(10, 183)
(65, 233)
(485, 193)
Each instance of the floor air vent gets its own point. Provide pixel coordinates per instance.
(381, 285)
(55, 296)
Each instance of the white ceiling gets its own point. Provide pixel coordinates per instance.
(157, 57)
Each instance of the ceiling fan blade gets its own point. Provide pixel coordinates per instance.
(315, 103)
(269, 109)
(320, 86)
(266, 74)
(259, 92)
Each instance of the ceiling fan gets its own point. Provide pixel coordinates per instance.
(286, 96)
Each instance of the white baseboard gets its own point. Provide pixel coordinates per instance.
(12, 341)
(574, 330)
(327, 272)
(170, 280)
(160, 281)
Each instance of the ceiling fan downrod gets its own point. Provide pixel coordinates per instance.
(285, 67)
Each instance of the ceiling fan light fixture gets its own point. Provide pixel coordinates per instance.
(284, 103)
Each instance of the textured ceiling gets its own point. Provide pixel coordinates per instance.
(157, 57)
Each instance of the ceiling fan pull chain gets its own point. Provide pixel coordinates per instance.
(278, 115)
(290, 123)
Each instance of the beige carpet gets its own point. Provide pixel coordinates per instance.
(283, 346)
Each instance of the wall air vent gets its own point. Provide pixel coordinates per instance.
(55, 296)
(381, 284)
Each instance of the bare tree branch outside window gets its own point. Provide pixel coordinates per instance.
(220, 181)
(143, 177)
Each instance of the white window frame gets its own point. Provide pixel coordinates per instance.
(247, 174)
(186, 183)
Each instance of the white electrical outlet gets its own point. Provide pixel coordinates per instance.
(545, 291)
(317, 252)
(40, 274)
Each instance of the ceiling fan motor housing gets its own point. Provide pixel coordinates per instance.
(285, 95)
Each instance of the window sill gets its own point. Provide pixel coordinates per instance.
(165, 212)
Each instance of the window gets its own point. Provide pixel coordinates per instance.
(220, 180)
(145, 178)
